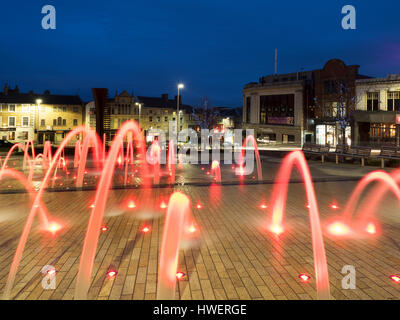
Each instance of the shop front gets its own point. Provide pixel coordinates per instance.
(331, 133)
(377, 128)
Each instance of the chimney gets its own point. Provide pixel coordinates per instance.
(5, 89)
(164, 96)
(16, 90)
(276, 61)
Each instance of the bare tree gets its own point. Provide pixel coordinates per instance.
(206, 117)
(342, 105)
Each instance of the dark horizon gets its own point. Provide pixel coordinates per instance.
(213, 48)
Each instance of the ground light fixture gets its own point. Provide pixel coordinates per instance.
(371, 228)
(145, 229)
(54, 227)
(304, 277)
(163, 205)
(131, 204)
(180, 275)
(111, 274)
(338, 229)
(395, 278)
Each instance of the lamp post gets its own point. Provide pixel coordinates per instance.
(38, 102)
(180, 86)
(140, 108)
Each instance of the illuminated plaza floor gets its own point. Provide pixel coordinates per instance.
(233, 256)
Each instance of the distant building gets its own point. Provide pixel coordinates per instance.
(377, 119)
(275, 107)
(302, 106)
(39, 117)
(151, 113)
(335, 83)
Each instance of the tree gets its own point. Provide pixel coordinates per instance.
(205, 117)
(341, 106)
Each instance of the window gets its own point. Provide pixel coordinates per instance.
(248, 109)
(75, 122)
(327, 87)
(393, 101)
(64, 122)
(166, 118)
(150, 119)
(11, 135)
(373, 101)
(1, 107)
(54, 122)
(11, 108)
(59, 121)
(59, 109)
(64, 109)
(76, 109)
(43, 122)
(25, 121)
(158, 119)
(54, 109)
(11, 121)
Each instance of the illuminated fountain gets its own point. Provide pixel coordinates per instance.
(240, 171)
(278, 205)
(216, 171)
(176, 219)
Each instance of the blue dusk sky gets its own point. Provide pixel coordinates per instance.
(213, 46)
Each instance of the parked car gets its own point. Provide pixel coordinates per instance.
(4, 144)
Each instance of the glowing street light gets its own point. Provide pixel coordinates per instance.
(180, 86)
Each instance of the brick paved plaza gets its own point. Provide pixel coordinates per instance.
(233, 256)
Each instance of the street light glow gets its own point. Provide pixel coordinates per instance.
(181, 86)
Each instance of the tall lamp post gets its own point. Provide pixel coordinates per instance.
(140, 108)
(180, 86)
(38, 102)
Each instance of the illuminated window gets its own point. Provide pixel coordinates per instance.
(25, 121)
(43, 122)
(11, 121)
(75, 122)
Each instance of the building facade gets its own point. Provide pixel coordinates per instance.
(377, 118)
(151, 113)
(275, 107)
(309, 106)
(38, 117)
(335, 102)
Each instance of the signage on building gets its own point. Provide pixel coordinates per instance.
(281, 120)
(397, 118)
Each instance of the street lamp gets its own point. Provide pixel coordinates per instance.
(38, 102)
(180, 86)
(140, 108)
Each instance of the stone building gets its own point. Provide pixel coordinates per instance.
(275, 107)
(377, 119)
(39, 117)
(152, 113)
